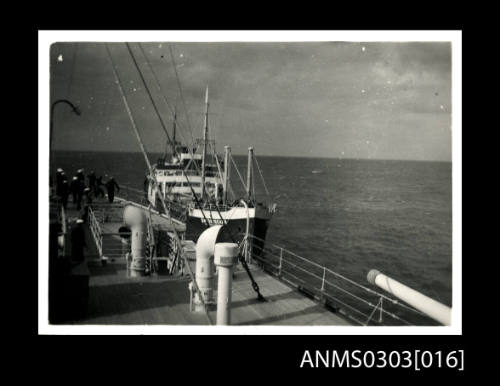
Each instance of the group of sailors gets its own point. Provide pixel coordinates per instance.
(80, 191)
(82, 194)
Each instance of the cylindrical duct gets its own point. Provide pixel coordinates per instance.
(205, 266)
(136, 219)
(225, 256)
(421, 302)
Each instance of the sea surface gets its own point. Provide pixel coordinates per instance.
(349, 215)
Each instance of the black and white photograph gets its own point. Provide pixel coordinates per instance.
(234, 182)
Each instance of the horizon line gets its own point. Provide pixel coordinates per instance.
(263, 155)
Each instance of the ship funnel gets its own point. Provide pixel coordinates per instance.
(205, 248)
(136, 220)
(425, 304)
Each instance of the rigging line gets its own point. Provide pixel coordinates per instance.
(180, 90)
(218, 166)
(220, 173)
(261, 177)
(241, 259)
(194, 195)
(149, 93)
(141, 144)
(170, 108)
(253, 183)
(230, 189)
(196, 199)
(237, 171)
(163, 95)
(156, 109)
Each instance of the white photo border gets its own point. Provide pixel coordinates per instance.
(46, 38)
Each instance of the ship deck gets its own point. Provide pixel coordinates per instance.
(115, 299)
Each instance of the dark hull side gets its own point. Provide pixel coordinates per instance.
(234, 233)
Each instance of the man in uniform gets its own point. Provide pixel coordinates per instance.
(99, 189)
(59, 181)
(92, 182)
(75, 187)
(80, 175)
(110, 186)
(87, 201)
(64, 192)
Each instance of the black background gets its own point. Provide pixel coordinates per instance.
(235, 359)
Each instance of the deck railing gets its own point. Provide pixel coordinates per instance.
(335, 291)
(95, 230)
(175, 209)
(132, 194)
(115, 245)
(64, 229)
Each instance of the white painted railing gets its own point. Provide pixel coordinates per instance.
(96, 231)
(360, 303)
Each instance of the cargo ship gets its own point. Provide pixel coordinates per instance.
(197, 191)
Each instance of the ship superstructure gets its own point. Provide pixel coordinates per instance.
(195, 188)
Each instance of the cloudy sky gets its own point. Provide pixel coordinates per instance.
(338, 99)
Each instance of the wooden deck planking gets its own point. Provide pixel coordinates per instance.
(117, 299)
(283, 306)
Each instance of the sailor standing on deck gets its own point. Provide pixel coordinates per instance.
(80, 175)
(59, 180)
(87, 201)
(74, 189)
(87, 196)
(92, 182)
(99, 190)
(110, 185)
(81, 190)
(64, 192)
(78, 242)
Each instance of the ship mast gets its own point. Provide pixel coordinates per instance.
(173, 143)
(205, 137)
(227, 154)
(249, 173)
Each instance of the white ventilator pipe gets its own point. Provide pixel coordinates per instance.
(226, 255)
(205, 266)
(136, 220)
(421, 302)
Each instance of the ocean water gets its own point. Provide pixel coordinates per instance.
(349, 215)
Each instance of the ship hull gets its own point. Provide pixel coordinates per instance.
(235, 220)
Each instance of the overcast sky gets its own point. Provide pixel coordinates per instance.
(346, 100)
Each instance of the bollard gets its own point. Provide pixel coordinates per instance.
(225, 256)
(136, 219)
